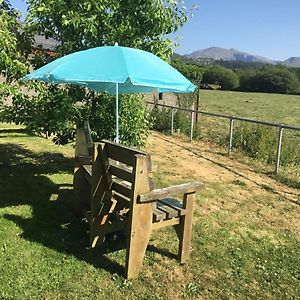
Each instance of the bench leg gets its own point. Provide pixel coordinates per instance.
(81, 194)
(184, 229)
(138, 238)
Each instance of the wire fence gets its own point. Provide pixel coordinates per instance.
(231, 124)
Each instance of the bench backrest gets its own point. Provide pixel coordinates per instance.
(117, 171)
(83, 145)
(119, 165)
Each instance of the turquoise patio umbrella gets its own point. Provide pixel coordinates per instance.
(115, 70)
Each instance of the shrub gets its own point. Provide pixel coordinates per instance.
(256, 141)
(52, 111)
(160, 118)
(270, 80)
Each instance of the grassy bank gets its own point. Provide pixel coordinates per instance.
(245, 242)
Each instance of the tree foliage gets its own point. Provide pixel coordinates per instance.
(253, 76)
(226, 78)
(270, 80)
(13, 44)
(78, 25)
(192, 71)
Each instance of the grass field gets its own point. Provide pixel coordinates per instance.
(246, 242)
(275, 108)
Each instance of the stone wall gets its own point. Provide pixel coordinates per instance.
(167, 98)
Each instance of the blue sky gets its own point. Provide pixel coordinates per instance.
(268, 28)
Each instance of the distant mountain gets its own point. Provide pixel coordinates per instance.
(292, 62)
(46, 44)
(217, 53)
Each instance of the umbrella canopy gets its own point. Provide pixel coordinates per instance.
(115, 70)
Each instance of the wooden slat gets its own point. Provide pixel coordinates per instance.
(83, 160)
(120, 171)
(87, 173)
(139, 220)
(121, 189)
(122, 153)
(88, 169)
(169, 222)
(121, 200)
(184, 229)
(185, 188)
(175, 204)
(167, 208)
(102, 156)
(170, 211)
(158, 215)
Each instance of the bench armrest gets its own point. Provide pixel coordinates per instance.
(186, 188)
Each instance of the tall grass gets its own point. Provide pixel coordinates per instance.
(260, 142)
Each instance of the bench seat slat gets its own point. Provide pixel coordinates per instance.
(174, 203)
(169, 210)
(158, 215)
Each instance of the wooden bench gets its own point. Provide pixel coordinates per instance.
(117, 193)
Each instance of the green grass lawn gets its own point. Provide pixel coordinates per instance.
(241, 249)
(275, 108)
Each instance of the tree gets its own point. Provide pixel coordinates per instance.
(192, 71)
(78, 25)
(246, 80)
(14, 45)
(226, 78)
(277, 79)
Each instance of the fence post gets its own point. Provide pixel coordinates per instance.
(278, 148)
(197, 104)
(172, 121)
(231, 124)
(192, 126)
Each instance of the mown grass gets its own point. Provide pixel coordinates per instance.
(243, 247)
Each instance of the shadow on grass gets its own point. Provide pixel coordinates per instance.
(13, 131)
(23, 181)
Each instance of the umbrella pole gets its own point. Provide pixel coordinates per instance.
(117, 113)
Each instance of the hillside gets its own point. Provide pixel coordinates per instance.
(292, 62)
(218, 53)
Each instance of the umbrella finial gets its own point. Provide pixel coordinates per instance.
(116, 44)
